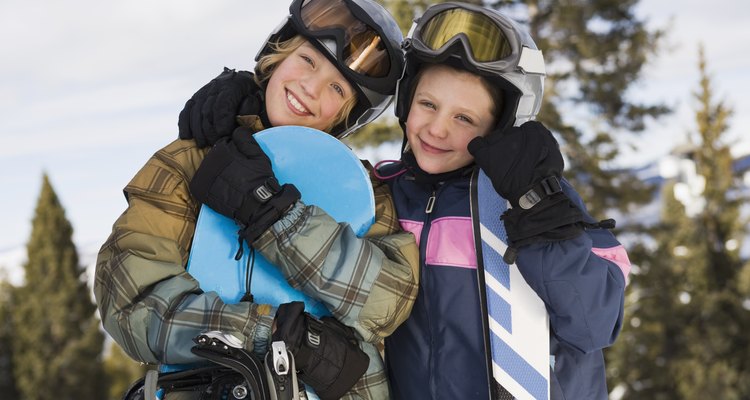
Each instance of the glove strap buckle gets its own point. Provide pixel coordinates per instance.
(314, 329)
(268, 189)
(547, 187)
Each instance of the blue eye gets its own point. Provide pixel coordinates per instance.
(465, 119)
(338, 89)
(427, 104)
(308, 60)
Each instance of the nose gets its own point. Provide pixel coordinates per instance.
(312, 85)
(438, 128)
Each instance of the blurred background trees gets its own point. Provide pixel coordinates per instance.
(51, 343)
(687, 309)
(54, 334)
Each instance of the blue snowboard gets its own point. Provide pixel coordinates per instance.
(327, 174)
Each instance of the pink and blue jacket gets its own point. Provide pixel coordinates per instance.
(440, 351)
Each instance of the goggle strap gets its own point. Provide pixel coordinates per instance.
(531, 61)
(410, 34)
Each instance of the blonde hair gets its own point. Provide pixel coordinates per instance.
(268, 63)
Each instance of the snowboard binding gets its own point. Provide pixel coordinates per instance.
(232, 374)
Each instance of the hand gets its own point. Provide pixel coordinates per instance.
(525, 166)
(519, 159)
(235, 179)
(211, 113)
(325, 351)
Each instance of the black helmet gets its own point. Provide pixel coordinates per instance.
(361, 39)
(482, 41)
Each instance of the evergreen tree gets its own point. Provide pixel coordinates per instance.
(717, 364)
(687, 331)
(56, 341)
(7, 384)
(651, 345)
(595, 51)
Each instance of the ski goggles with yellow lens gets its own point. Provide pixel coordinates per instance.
(489, 40)
(359, 47)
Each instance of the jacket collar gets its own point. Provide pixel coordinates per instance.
(425, 178)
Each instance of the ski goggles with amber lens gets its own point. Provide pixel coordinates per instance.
(488, 39)
(359, 46)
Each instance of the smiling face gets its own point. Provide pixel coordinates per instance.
(306, 89)
(449, 108)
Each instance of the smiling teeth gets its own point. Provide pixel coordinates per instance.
(296, 104)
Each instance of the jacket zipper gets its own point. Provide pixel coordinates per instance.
(430, 203)
(423, 242)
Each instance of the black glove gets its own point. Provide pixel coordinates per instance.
(211, 113)
(235, 179)
(325, 351)
(525, 166)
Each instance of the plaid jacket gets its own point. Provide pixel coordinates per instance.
(153, 308)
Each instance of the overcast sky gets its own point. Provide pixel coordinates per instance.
(90, 89)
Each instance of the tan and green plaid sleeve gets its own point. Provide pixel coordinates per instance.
(368, 283)
(148, 303)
